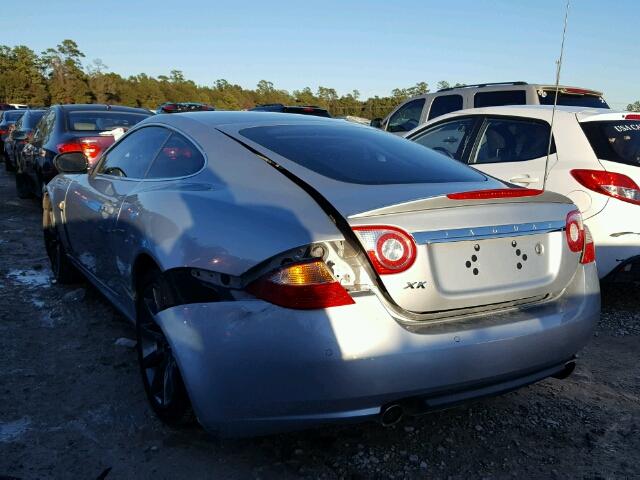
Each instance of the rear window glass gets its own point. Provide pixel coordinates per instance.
(100, 121)
(12, 116)
(616, 141)
(495, 99)
(547, 97)
(445, 104)
(360, 155)
(31, 120)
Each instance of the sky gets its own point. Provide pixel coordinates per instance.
(372, 46)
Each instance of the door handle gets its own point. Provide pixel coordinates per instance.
(524, 179)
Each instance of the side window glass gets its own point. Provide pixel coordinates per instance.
(448, 138)
(504, 97)
(132, 156)
(177, 158)
(445, 104)
(407, 118)
(506, 140)
(43, 127)
(18, 124)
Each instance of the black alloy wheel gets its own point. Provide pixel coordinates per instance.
(161, 375)
(63, 270)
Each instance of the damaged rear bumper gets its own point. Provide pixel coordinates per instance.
(251, 367)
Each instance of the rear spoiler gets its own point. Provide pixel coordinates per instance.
(461, 199)
(572, 90)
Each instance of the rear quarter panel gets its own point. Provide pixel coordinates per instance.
(236, 213)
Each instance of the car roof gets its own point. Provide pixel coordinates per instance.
(543, 112)
(99, 106)
(249, 118)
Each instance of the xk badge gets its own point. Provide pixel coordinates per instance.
(414, 285)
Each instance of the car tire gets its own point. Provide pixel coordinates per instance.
(22, 186)
(63, 270)
(161, 376)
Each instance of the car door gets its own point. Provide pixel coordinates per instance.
(514, 150)
(453, 137)
(93, 201)
(30, 152)
(139, 223)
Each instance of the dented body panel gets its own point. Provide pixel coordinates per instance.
(254, 368)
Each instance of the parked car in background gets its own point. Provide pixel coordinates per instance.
(19, 106)
(423, 108)
(286, 271)
(298, 109)
(6, 106)
(21, 134)
(180, 107)
(69, 128)
(594, 160)
(8, 118)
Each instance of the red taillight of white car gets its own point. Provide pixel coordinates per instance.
(612, 184)
(579, 237)
(390, 249)
(589, 252)
(305, 285)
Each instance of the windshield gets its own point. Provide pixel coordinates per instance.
(360, 155)
(616, 141)
(87, 121)
(547, 97)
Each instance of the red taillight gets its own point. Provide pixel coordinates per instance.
(92, 147)
(495, 193)
(574, 231)
(579, 91)
(390, 249)
(613, 184)
(632, 116)
(589, 251)
(303, 286)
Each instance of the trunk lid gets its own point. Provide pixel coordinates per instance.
(477, 255)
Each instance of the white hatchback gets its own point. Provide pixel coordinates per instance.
(594, 160)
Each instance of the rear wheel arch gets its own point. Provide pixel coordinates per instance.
(143, 264)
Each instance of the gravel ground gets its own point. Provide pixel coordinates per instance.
(72, 405)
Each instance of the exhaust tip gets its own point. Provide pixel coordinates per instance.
(391, 415)
(568, 369)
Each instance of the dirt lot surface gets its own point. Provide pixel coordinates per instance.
(72, 404)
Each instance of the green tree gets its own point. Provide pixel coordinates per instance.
(21, 77)
(634, 107)
(67, 83)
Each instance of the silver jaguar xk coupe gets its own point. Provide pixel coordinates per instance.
(286, 271)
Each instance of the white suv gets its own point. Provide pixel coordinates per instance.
(420, 109)
(595, 161)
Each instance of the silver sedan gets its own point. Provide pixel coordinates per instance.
(286, 271)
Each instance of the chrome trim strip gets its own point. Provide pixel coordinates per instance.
(480, 233)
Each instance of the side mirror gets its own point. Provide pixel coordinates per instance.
(71, 162)
(376, 123)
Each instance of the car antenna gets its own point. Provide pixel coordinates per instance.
(555, 100)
